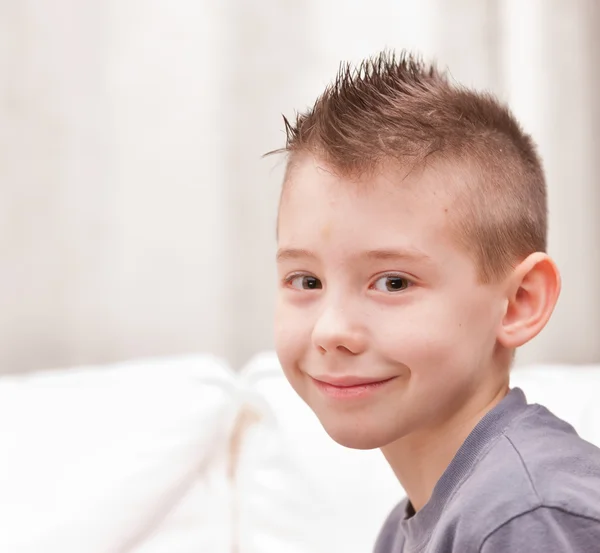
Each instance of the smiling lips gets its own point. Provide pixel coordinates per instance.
(350, 387)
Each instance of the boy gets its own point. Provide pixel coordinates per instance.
(411, 260)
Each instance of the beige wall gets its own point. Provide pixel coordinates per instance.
(137, 216)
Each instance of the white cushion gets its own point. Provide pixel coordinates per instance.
(123, 458)
(569, 391)
(297, 490)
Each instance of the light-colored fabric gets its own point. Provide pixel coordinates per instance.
(133, 189)
(131, 458)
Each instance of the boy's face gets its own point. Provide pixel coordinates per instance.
(381, 324)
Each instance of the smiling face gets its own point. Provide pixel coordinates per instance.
(382, 326)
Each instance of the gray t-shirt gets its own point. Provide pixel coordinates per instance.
(522, 482)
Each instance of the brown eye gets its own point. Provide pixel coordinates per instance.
(391, 283)
(305, 282)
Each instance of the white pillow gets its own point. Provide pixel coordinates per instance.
(297, 491)
(123, 458)
(569, 391)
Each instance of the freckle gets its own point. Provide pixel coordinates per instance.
(445, 210)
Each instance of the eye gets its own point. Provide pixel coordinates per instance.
(304, 282)
(391, 283)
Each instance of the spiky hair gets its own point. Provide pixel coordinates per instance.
(399, 108)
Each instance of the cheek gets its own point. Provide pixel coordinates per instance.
(292, 334)
(432, 334)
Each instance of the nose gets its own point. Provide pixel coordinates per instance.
(336, 331)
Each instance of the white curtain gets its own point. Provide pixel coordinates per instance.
(137, 217)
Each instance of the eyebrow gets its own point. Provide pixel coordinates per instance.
(412, 254)
(287, 254)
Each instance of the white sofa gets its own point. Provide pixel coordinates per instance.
(181, 455)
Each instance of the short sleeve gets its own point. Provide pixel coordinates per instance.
(546, 530)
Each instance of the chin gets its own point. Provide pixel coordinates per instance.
(356, 438)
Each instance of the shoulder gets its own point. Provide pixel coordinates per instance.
(547, 529)
(562, 469)
(537, 471)
(547, 487)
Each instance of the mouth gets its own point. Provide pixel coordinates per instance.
(350, 387)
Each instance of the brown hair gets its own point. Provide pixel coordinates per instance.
(397, 108)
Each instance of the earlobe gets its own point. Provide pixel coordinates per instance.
(533, 290)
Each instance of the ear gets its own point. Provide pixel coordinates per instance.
(532, 292)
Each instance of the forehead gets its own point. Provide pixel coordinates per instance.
(393, 207)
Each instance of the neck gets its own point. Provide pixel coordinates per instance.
(419, 459)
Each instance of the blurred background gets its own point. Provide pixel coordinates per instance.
(137, 217)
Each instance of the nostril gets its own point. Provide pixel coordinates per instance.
(344, 349)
